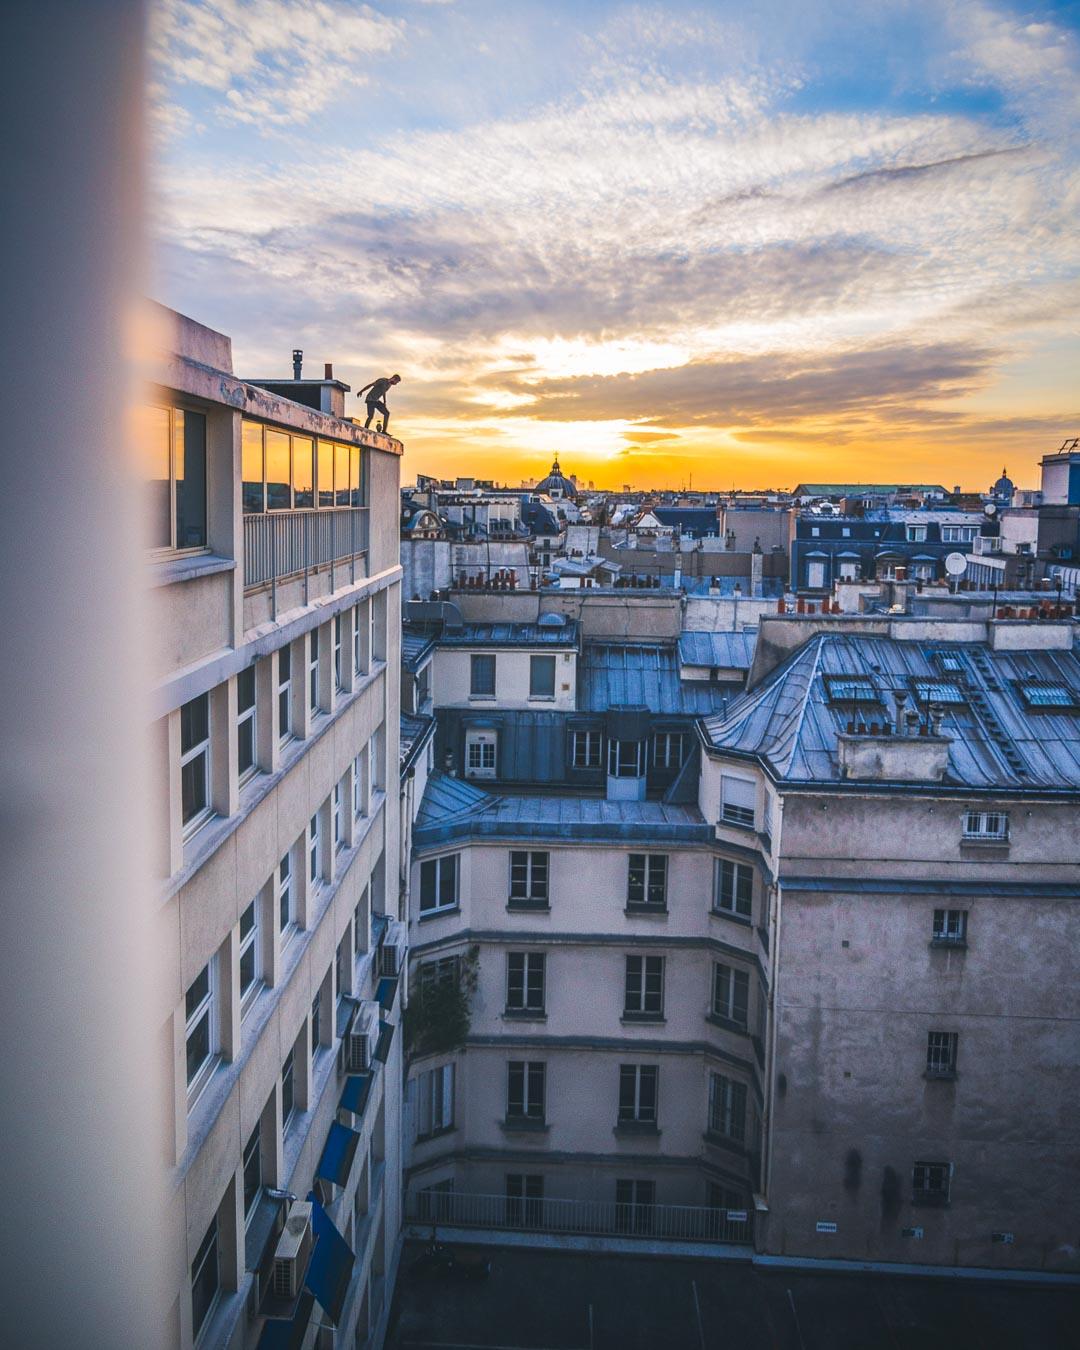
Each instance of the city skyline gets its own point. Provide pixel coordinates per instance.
(655, 241)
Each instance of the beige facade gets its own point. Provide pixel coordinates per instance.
(277, 645)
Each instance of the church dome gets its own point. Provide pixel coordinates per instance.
(1004, 487)
(556, 486)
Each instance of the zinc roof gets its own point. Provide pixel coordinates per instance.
(641, 675)
(731, 650)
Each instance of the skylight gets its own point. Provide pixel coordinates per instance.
(948, 661)
(1047, 695)
(938, 691)
(851, 689)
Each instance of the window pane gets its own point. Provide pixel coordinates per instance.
(326, 473)
(278, 472)
(194, 723)
(154, 434)
(204, 1278)
(354, 474)
(341, 475)
(252, 1168)
(252, 467)
(190, 480)
(245, 689)
(198, 1046)
(542, 677)
(303, 469)
(193, 788)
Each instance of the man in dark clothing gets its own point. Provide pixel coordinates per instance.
(376, 399)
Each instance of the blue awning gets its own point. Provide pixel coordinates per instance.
(355, 1095)
(385, 993)
(331, 1265)
(382, 1047)
(280, 1333)
(337, 1155)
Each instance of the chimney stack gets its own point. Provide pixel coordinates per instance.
(297, 363)
(757, 571)
(328, 371)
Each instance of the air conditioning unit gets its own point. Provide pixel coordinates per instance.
(292, 1253)
(356, 1047)
(389, 961)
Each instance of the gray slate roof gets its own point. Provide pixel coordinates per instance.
(641, 675)
(731, 650)
(414, 732)
(453, 809)
(414, 648)
(997, 743)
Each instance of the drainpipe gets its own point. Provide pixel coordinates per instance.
(774, 982)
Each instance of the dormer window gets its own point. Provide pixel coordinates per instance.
(851, 689)
(948, 662)
(626, 759)
(1047, 696)
(938, 691)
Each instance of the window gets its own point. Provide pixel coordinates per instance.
(941, 1049)
(992, 825)
(727, 1108)
(339, 677)
(626, 759)
(585, 749)
(288, 1090)
(930, 1183)
(337, 813)
(201, 1028)
(324, 460)
(250, 965)
(524, 1199)
(278, 460)
(525, 982)
(949, 662)
(528, 878)
(669, 749)
(245, 721)
(848, 569)
(316, 1024)
(205, 1279)
(373, 760)
(938, 691)
(851, 689)
(357, 646)
(285, 693)
(734, 888)
(644, 986)
(303, 473)
(359, 786)
(958, 534)
(738, 797)
(284, 888)
(375, 651)
(916, 534)
(525, 1090)
(481, 754)
(252, 1168)
(1046, 694)
(439, 883)
(634, 1205)
(541, 677)
(313, 670)
(314, 852)
(647, 880)
(175, 473)
(436, 975)
(731, 994)
(359, 925)
(482, 676)
(637, 1094)
(950, 926)
(435, 1102)
(195, 762)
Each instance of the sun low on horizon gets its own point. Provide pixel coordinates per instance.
(673, 245)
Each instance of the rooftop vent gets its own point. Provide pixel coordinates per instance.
(297, 363)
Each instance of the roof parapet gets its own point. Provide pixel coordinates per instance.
(893, 758)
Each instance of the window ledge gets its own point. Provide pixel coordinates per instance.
(1000, 845)
(436, 1134)
(732, 917)
(637, 1128)
(930, 1201)
(941, 1075)
(654, 911)
(729, 1024)
(168, 573)
(529, 906)
(724, 1141)
(634, 1017)
(524, 1124)
(524, 1015)
(439, 913)
(481, 698)
(948, 944)
(746, 826)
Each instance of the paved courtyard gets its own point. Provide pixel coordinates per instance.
(541, 1300)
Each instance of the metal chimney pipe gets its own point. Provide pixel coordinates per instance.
(297, 363)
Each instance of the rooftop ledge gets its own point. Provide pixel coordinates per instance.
(904, 759)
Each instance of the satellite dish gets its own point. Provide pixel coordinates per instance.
(956, 564)
(990, 509)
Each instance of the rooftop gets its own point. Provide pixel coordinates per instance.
(415, 648)
(645, 675)
(731, 651)
(998, 740)
(563, 634)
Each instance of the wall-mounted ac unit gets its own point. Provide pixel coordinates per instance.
(293, 1252)
(389, 960)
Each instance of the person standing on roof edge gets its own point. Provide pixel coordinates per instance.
(376, 399)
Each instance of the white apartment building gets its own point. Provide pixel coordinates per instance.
(794, 971)
(275, 583)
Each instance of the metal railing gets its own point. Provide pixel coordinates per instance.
(289, 543)
(593, 1218)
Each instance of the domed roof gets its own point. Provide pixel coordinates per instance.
(555, 485)
(1004, 487)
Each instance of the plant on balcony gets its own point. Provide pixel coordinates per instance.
(437, 1018)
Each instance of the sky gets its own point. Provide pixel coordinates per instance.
(713, 245)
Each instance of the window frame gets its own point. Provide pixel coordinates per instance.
(526, 984)
(482, 661)
(541, 661)
(250, 942)
(732, 813)
(284, 694)
(728, 983)
(315, 852)
(337, 818)
(314, 655)
(640, 878)
(198, 749)
(205, 1010)
(593, 763)
(339, 674)
(619, 764)
(927, 1172)
(942, 1051)
(649, 971)
(948, 932)
(247, 724)
(288, 1075)
(254, 1140)
(740, 872)
(728, 1100)
(437, 864)
(210, 1245)
(177, 426)
(981, 832)
(284, 890)
(528, 887)
(532, 1097)
(635, 1106)
(668, 761)
(435, 1104)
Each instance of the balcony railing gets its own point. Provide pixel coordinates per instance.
(281, 544)
(592, 1218)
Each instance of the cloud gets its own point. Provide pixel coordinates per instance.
(269, 63)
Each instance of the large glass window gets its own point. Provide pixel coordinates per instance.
(195, 761)
(251, 468)
(245, 721)
(731, 994)
(252, 1168)
(201, 1029)
(439, 883)
(341, 475)
(174, 466)
(281, 471)
(278, 471)
(205, 1278)
(326, 473)
(250, 964)
(303, 472)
